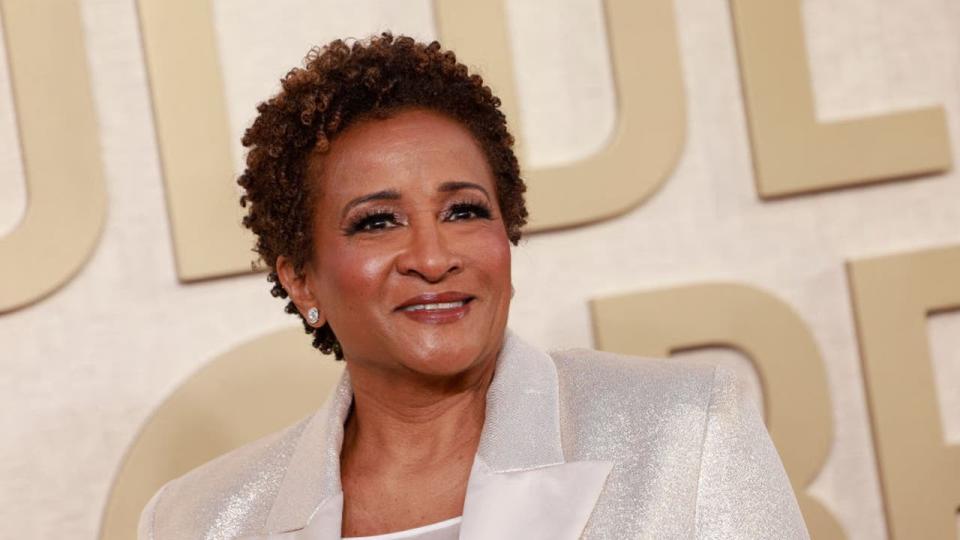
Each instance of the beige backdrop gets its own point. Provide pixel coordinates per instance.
(82, 369)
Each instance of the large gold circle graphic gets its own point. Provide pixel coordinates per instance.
(248, 392)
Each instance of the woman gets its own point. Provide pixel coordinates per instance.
(384, 193)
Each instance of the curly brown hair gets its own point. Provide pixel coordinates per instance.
(339, 85)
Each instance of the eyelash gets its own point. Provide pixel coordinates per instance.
(370, 221)
(379, 219)
(479, 209)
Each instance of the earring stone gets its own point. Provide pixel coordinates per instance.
(313, 315)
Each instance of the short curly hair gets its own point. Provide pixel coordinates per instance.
(339, 85)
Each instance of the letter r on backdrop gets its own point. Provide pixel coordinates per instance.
(770, 333)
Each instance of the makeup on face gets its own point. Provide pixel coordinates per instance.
(411, 257)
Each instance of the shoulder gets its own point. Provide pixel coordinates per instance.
(681, 436)
(618, 402)
(241, 484)
(605, 375)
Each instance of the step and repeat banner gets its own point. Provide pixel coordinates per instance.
(767, 184)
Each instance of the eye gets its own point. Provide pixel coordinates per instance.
(467, 211)
(374, 221)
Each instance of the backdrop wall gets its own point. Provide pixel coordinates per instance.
(85, 366)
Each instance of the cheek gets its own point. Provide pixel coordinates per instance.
(351, 277)
(493, 258)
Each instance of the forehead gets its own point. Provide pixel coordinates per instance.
(412, 150)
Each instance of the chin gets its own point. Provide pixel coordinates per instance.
(445, 357)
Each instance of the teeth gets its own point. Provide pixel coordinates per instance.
(432, 307)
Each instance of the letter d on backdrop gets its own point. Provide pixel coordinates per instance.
(651, 108)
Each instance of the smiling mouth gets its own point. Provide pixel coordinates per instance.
(436, 306)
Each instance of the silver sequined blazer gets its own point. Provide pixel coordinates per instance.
(577, 444)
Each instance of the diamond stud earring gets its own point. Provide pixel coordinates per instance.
(313, 315)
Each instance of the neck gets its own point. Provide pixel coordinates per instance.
(407, 423)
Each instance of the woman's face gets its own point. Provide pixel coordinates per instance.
(411, 264)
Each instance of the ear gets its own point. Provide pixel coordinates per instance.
(298, 288)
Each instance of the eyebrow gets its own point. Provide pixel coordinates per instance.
(447, 187)
(384, 195)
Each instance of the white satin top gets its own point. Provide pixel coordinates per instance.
(442, 530)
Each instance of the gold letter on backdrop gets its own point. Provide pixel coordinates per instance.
(212, 413)
(193, 132)
(792, 152)
(770, 333)
(920, 474)
(651, 119)
(66, 197)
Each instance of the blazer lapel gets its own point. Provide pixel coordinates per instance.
(552, 502)
(324, 524)
(520, 485)
(309, 503)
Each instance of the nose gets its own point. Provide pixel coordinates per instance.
(427, 254)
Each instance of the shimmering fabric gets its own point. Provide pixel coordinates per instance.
(693, 459)
(579, 444)
(522, 428)
(227, 497)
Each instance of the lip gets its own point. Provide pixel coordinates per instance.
(441, 315)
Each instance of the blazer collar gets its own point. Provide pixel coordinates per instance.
(311, 487)
(519, 478)
(520, 485)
